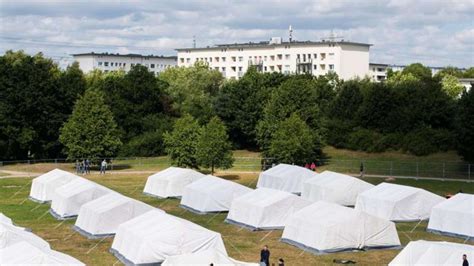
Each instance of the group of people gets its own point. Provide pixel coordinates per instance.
(84, 167)
(265, 257)
(311, 166)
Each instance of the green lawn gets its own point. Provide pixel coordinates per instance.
(240, 243)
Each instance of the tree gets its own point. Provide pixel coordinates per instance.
(468, 73)
(240, 104)
(192, 89)
(294, 142)
(297, 95)
(450, 70)
(214, 149)
(451, 86)
(419, 71)
(34, 103)
(91, 131)
(180, 144)
(465, 126)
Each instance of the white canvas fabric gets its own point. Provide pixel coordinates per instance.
(421, 252)
(10, 235)
(454, 216)
(68, 199)
(334, 187)
(204, 258)
(211, 194)
(154, 236)
(43, 186)
(170, 182)
(103, 215)
(397, 202)
(285, 177)
(24, 253)
(5, 219)
(265, 208)
(328, 227)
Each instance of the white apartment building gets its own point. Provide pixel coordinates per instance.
(378, 72)
(110, 62)
(347, 59)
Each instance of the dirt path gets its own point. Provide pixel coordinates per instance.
(12, 174)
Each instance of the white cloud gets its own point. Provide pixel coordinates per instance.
(435, 32)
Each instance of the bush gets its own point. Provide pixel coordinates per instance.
(424, 141)
(366, 140)
(338, 133)
(146, 144)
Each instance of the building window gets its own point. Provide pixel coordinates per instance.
(315, 56)
(287, 57)
(315, 67)
(152, 65)
(182, 60)
(124, 64)
(241, 58)
(240, 68)
(106, 64)
(188, 60)
(331, 67)
(100, 63)
(223, 59)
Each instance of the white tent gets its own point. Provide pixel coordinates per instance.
(397, 202)
(334, 187)
(328, 227)
(102, 216)
(5, 219)
(265, 208)
(43, 186)
(454, 216)
(154, 236)
(11, 234)
(285, 177)
(23, 253)
(205, 258)
(211, 194)
(68, 199)
(170, 182)
(423, 252)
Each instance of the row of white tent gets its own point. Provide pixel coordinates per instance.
(18, 246)
(143, 234)
(320, 205)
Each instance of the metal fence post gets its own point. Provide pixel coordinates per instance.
(417, 171)
(469, 171)
(444, 171)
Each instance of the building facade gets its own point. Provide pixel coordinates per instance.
(347, 59)
(110, 62)
(378, 72)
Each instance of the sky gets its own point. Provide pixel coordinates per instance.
(433, 32)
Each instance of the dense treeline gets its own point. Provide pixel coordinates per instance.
(188, 112)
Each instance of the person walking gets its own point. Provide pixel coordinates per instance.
(77, 167)
(88, 166)
(265, 256)
(81, 167)
(361, 169)
(464, 260)
(281, 262)
(103, 167)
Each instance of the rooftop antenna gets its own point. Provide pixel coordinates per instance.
(332, 37)
(290, 30)
(194, 41)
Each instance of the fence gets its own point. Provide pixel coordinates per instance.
(385, 168)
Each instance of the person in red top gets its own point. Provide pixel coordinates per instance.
(313, 167)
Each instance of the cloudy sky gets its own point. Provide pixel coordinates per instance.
(434, 32)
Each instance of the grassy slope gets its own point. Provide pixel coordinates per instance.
(240, 243)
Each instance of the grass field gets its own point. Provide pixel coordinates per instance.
(240, 243)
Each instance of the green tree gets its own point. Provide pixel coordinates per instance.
(419, 71)
(91, 131)
(468, 73)
(450, 70)
(465, 126)
(240, 104)
(180, 144)
(34, 103)
(192, 89)
(294, 142)
(214, 149)
(297, 95)
(452, 86)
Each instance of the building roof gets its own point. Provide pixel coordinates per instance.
(378, 64)
(125, 55)
(268, 43)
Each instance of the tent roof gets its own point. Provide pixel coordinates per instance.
(25, 253)
(334, 180)
(263, 197)
(172, 172)
(209, 184)
(329, 227)
(5, 219)
(392, 192)
(204, 258)
(285, 177)
(423, 252)
(43, 186)
(286, 170)
(460, 202)
(155, 235)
